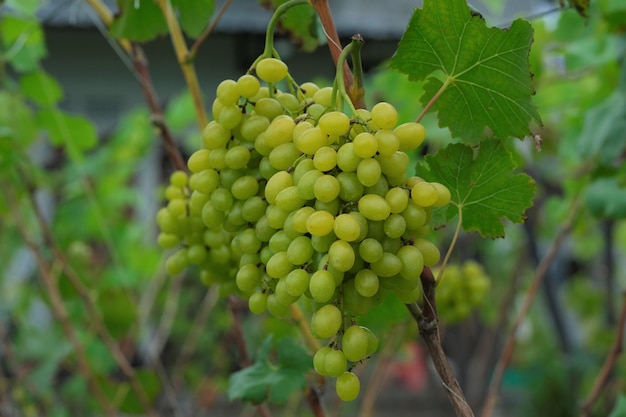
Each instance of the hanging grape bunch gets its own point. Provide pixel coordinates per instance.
(292, 197)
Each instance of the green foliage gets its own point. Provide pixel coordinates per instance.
(264, 380)
(22, 42)
(606, 197)
(620, 407)
(483, 185)
(41, 88)
(481, 74)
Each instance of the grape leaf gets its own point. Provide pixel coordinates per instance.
(41, 88)
(22, 42)
(485, 190)
(300, 22)
(138, 21)
(194, 15)
(75, 133)
(264, 380)
(606, 197)
(480, 75)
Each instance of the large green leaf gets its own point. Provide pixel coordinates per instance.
(485, 190)
(481, 74)
(264, 380)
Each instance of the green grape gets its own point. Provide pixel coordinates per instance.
(347, 227)
(374, 207)
(265, 254)
(215, 135)
(321, 244)
(311, 140)
(354, 343)
(388, 266)
(388, 143)
(335, 363)
(196, 254)
(380, 188)
(248, 85)
(177, 207)
(301, 127)
(368, 172)
(365, 145)
(248, 278)
(315, 111)
(196, 202)
(257, 303)
(276, 184)
(168, 240)
(429, 251)
(253, 126)
(353, 301)
(288, 199)
(278, 266)
(443, 194)
(199, 160)
(227, 93)
(211, 216)
(282, 295)
(363, 225)
(308, 89)
(412, 261)
(280, 241)
(323, 96)
(271, 70)
(331, 206)
(284, 156)
(325, 159)
(326, 321)
(179, 179)
(268, 107)
(398, 199)
(249, 242)
(297, 282)
(244, 188)
(306, 184)
(414, 215)
(230, 116)
(410, 135)
(217, 158)
(319, 360)
(394, 165)
(216, 108)
(290, 102)
(237, 157)
(266, 169)
(394, 226)
(303, 166)
(228, 176)
(370, 250)
(334, 123)
(276, 216)
(372, 341)
(275, 308)
(222, 199)
(424, 194)
(300, 250)
(253, 208)
(205, 181)
(177, 262)
(347, 160)
(322, 285)
(320, 223)
(263, 229)
(341, 256)
(326, 188)
(348, 386)
(300, 217)
(350, 189)
(366, 282)
(384, 115)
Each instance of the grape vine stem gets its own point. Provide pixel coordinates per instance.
(540, 273)
(455, 237)
(426, 319)
(605, 372)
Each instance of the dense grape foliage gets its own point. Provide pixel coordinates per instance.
(291, 198)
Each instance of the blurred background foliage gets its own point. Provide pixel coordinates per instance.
(81, 271)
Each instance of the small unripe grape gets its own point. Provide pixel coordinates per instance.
(237, 157)
(199, 160)
(308, 89)
(354, 343)
(271, 70)
(215, 135)
(268, 107)
(388, 143)
(368, 172)
(311, 140)
(366, 282)
(323, 96)
(297, 282)
(278, 265)
(325, 159)
(257, 303)
(347, 160)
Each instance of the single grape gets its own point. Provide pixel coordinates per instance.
(410, 135)
(326, 321)
(248, 85)
(237, 157)
(384, 115)
(388, 266)
(350, 189)
(366, 282)
(374, 207)
(322, 285)
(429, 251)
(354, 343)
(300, 250)
(348, 386)
(278, 266)
(388, 143)
(347, 227)
(311, 140)
(334, 123)
(341, 256)
(325, 159)
(368, 172)
(199, 160)
(319, 360)
(365, 145)
(227, 93)
(335, 363)
(443, 194)
(297, 282)
(347, 160)
(424, 194)
(271, 70)
(257, 303)
(326, 188)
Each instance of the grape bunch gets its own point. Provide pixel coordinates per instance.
(465, 289)
(292, 199)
